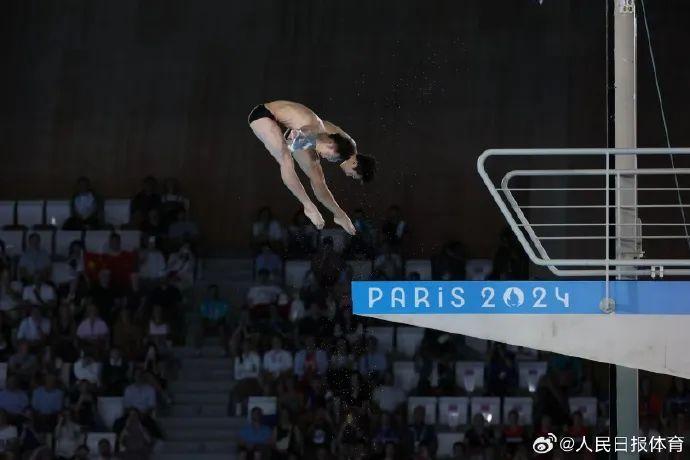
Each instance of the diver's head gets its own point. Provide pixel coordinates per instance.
(335, 147)
(359, 167)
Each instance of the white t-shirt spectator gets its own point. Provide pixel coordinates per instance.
(30, 329)
(88, 370)
(31, 294)
(92, 329)
(277, 361)
(34, 261)
(85, 204)
(247, 366)
(263, 294)
(152, 264)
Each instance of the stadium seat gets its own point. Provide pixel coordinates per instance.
(523, 406)
(405, 375)
(361, 269)
(408, 340)
(452, 410)
(110, 409)
(421, 266)
(61, 273)
(295, 271)
(57, 212)
(30, 213)
(6, 213)
(478, 269)
(267, 404)
(96, 240)
(530, 373)
(587, 407)
(63, 239)
(3, 375)
(14, 241)
(384, 335)
(446, 441)
(469, 375)
(131, 239)
(47, 239)
(489, 407)
(117, 212)
(428, 402)
(93, 438)
(337, 234)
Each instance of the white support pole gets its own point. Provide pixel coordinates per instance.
(625, 74)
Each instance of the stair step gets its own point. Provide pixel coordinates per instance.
(213, 397)
(207, 351)
(199, 410)
(229, 423)
(202, 386)
(201, 434)
(208, 374)
(206, 363)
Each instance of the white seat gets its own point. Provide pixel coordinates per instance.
(61, 273)
(469, 375)
(530, 373)
(96, 240)
(384, 335)
(446, 441)
(587, 407)
(14, 241)
(338, 236)
(63, 239)
(117, 212)
(3, 375)
(57, 212)
(428, 402)
(522, 405)
(93, 438)
(295, 271)
(408, 340)
(421, 266)
(405, 375)
(478, 269)
(6, 213)
(130, 239)
(110, 409)
(361, 269)
(47, 239)
(30, 213)
(489, 407)
(452, 410)
(267, 404)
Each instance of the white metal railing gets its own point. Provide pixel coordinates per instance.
(582, 186)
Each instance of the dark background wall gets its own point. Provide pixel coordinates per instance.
(116, 90)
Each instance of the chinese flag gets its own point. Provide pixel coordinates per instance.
(93, 263)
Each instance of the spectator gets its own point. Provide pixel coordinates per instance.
(114, 374)
(168, 296)
(510, 260)
(35, 261)
(67, 435)
(651, 403)
(349, 436)
(214, 318)
(93, 332)
(254, 438)
(181, 267)
(153, 224)
(5, 338)
(319, 435)
(182, 230)
(34, 329)
(75, 278)
(247, 375)
(172, 200)
(388, 263)
(268, 260)
(41, 293)
(159, 331)
(450, 264)
(385, 433)
(577, 428)
(152, 267)
(315, 324)
(394, 229)
(88, 369)
(678, 398)
(361, 245)
(266, 229)
(105, 450)
(552, 400)
(327, 264)
(502, 376)
(9, 298)
(373, 363)
(287, 438)
(514, 435)
(277, 360)
(421, 433)
(64, 332)
(47, 400)
(103, 294)
(479, 439)
(128, 336)
(23, 364)
(86, 208)
(9, 438)
(147, 199)
(140, 394)
(121, 264)
(347, 326)
(310, 360)
(290, 397)
(82, 453)
(13, 400)
(301, 239)
(134, 439)
(263, 294)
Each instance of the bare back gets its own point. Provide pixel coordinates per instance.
(293, 115)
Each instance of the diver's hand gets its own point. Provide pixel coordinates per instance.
(344, 221)
(314, 216)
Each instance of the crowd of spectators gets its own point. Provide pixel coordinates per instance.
(335, 387)
(104, 331)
